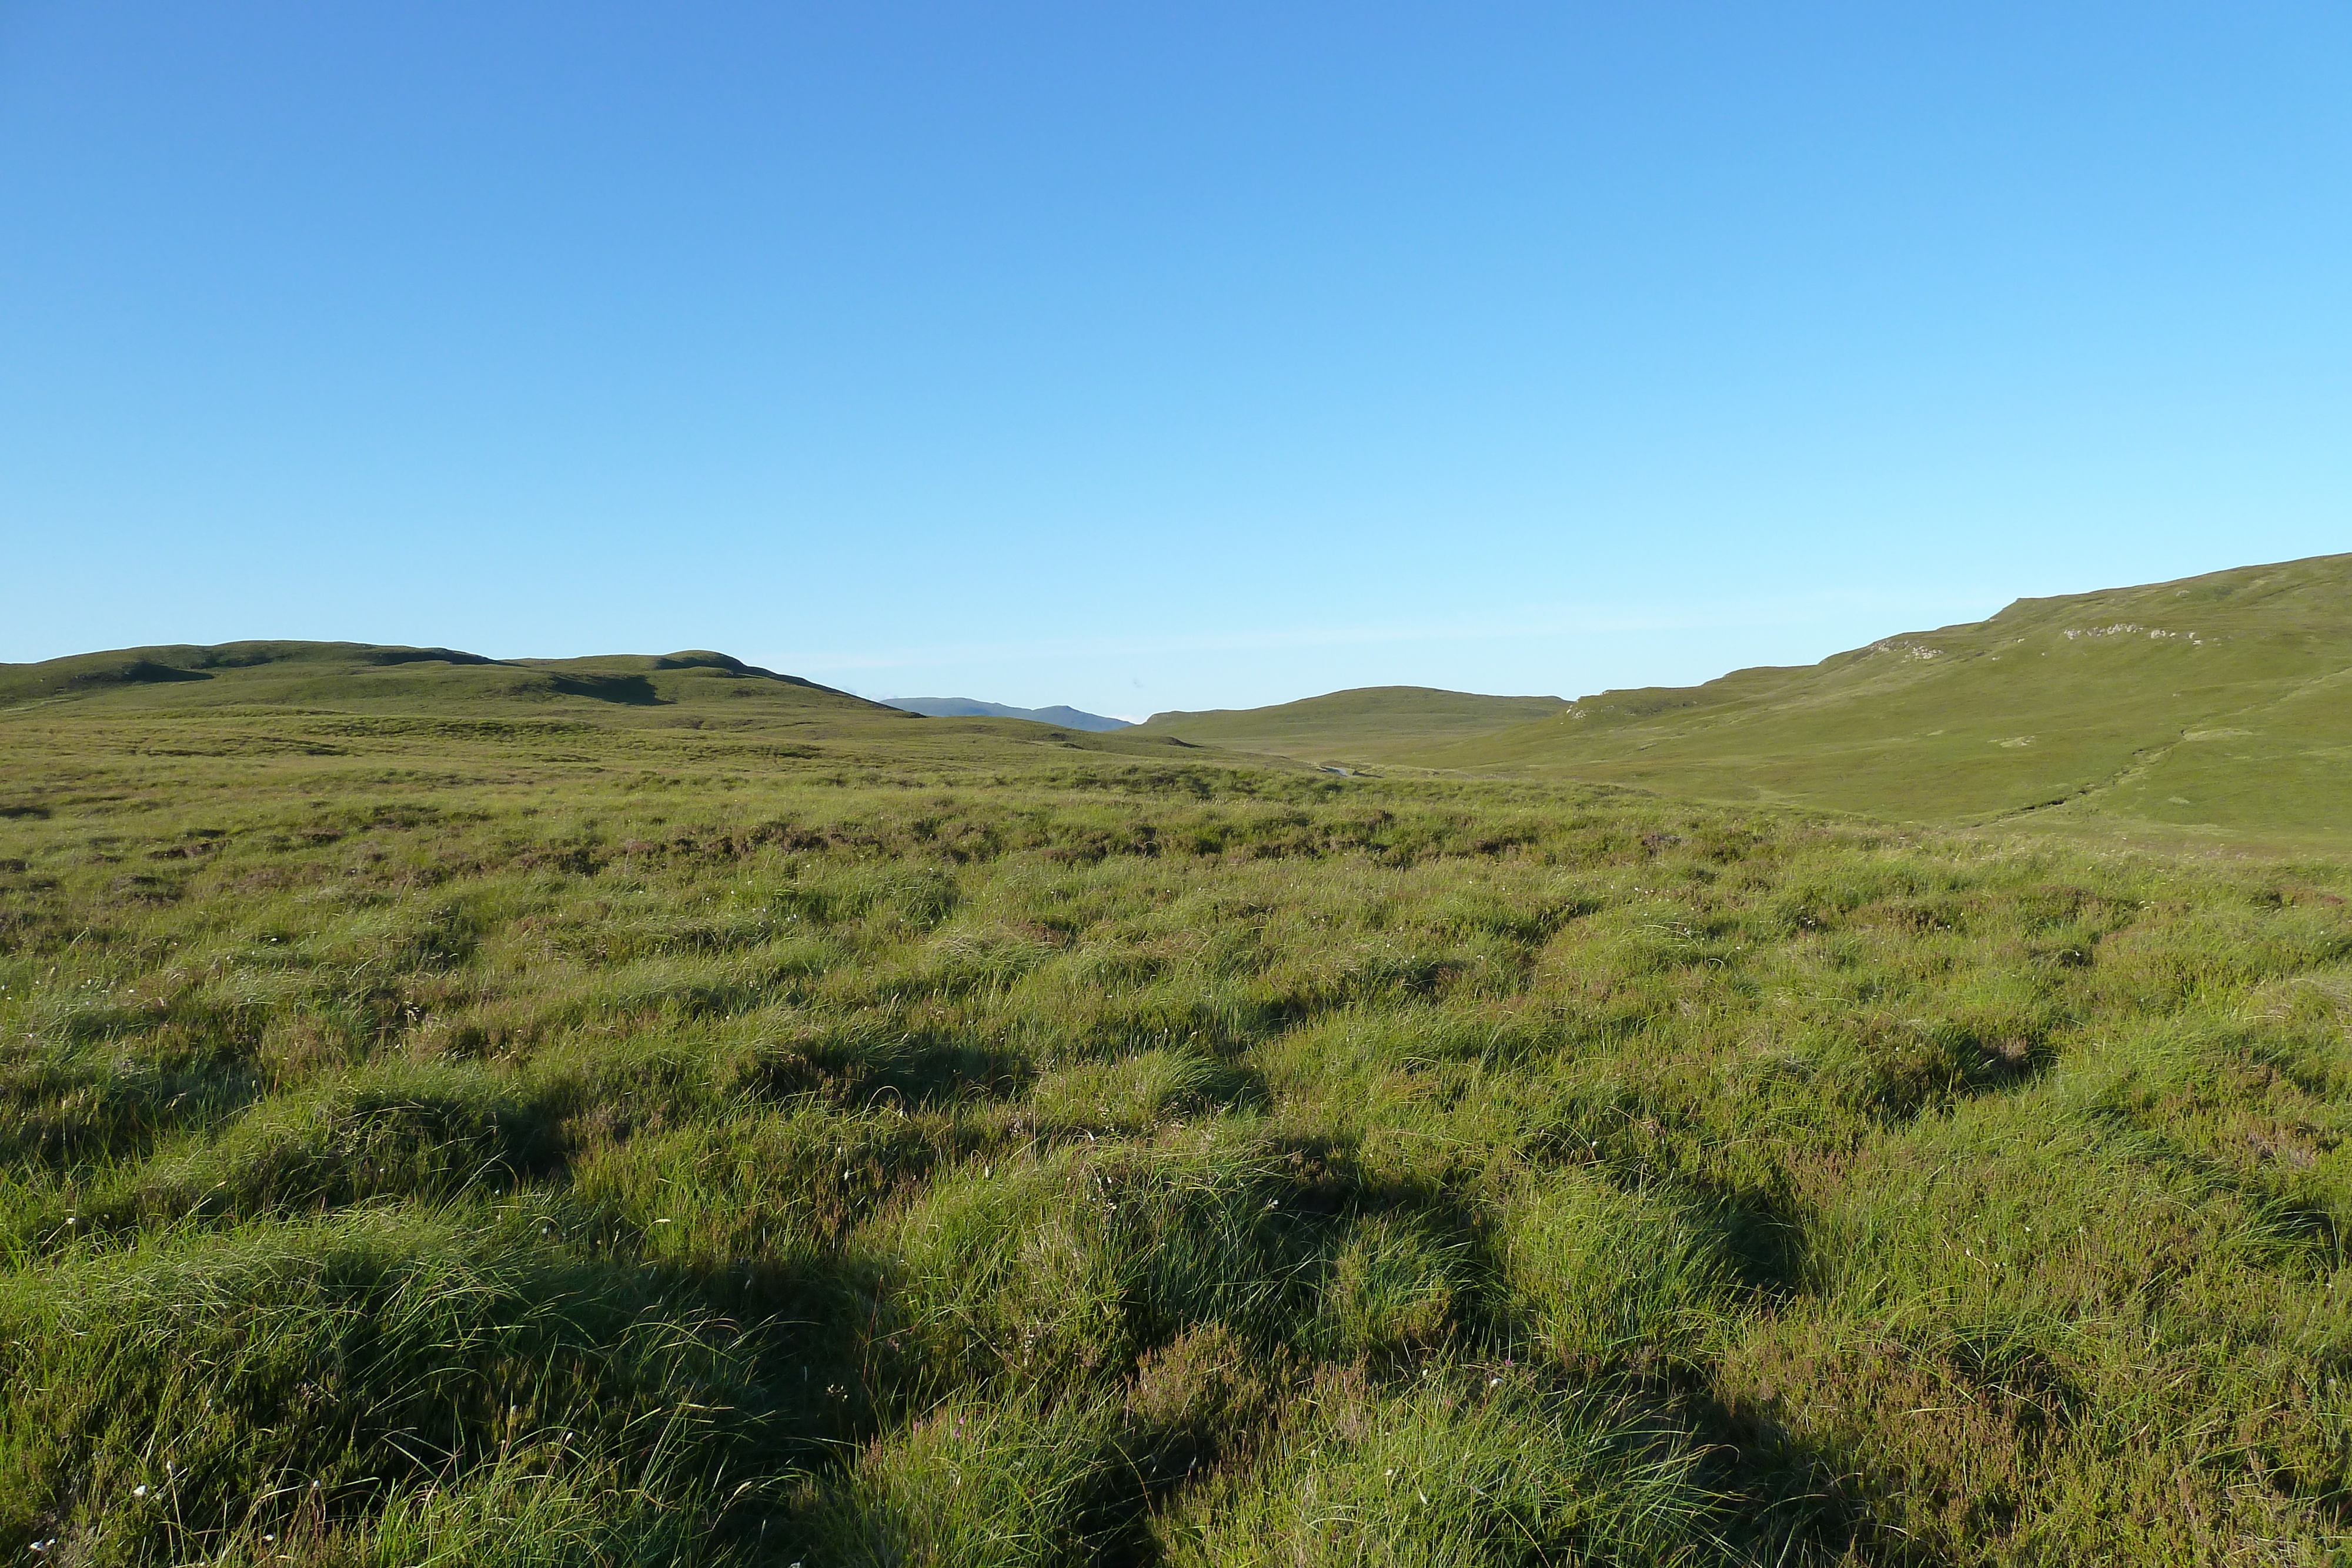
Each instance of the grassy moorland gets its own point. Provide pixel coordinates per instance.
(550, 1126)
(2209, 710)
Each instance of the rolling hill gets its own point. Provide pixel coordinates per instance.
(344, 675)
(2213, 706)
(272, 698)
(2213, 702)
(1370, 724)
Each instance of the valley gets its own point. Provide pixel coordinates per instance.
(657, 1109)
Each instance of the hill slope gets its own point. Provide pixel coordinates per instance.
(359, 675)
(266, 699)
(2211, 703)
(1370, 724)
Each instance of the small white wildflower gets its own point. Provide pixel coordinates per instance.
(139, 1491)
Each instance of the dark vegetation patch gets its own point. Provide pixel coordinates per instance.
(129, 673)
(635, 690)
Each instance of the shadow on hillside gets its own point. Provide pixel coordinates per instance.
(631, 691)
(135, 672)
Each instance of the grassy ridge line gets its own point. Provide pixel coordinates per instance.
(347, 674)
(2207, 709)
(615, 1144)
(2179, 707)
(255, 700)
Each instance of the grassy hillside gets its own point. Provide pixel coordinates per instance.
(2215, 708)
(328, 699)
(527, 1132)
(1371, 724)
(356, 676)
(2216, 703)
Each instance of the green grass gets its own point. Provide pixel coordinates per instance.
(531, 1130)
(1372, 725)
(347, 676)
(2207, 711)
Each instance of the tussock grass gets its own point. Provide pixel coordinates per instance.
(339, 1378)
(1438, 1473)
(604, 1143)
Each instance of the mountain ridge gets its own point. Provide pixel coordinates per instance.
(1061, 714)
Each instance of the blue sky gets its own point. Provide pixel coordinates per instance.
(1149, 356)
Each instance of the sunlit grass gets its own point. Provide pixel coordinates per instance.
(640, 1155)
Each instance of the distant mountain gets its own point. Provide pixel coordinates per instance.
(973, 708)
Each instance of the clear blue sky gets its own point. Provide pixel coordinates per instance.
(1146, 355)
